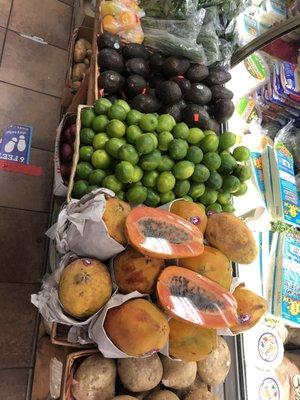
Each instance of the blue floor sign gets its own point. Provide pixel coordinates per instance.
(15, 144)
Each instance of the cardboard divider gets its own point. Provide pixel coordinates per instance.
(59, 337)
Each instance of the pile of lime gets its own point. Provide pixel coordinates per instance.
(148, 158)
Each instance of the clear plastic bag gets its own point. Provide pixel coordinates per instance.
(210, 41)
(169, 9)
(289, 135)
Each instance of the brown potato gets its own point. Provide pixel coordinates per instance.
(163, 395)
(78, 71)
(125, 397)
(200, 394)
(178, 374)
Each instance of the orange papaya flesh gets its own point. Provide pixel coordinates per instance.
(161, 234)
(190, 297)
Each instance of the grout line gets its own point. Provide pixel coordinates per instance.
(32, 90)
(6, 29)
(68, 4)
(14, 368)
(24, 209)
(39, 148)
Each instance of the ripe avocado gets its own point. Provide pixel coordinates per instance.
(173, 110)
(135, 84)
(111, 81)
(113, 97)
(135, 50)
(213, 125)
(223, 110)
(183, 83)
(198, 94)
(220, 92)
(145, 103)
(168, 92)
(108, 40)
(173, 66)
(156, 61)
(217, 76)
(109, 59)
(155, 79)
(181, 104)
(197, 73)
(137, 66)
(195, 115)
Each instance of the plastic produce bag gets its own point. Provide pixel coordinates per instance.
(290, 136)
(169, 9)
(210, 41)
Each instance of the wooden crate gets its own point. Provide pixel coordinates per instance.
(59, 337)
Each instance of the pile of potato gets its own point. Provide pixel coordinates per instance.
(153, 378)
(81, 62)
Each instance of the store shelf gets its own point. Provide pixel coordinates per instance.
(274, 33)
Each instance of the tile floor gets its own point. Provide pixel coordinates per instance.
(31, 81)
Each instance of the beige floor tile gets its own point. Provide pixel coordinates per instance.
(47, 19)
(4, 12)
(13, 383)
(23, 106)
(33, 65)
(2, 36)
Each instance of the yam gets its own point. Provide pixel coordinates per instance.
(78, 71)
(140, 374)
(76, 85)
(95, 379)
(200, 394)
(79, 52)
(163, 395)
(178, 374)
(85, 43)
(214, 369)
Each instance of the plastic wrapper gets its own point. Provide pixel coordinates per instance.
(169, 9)
(81, 229)
(290, 137)
(210, 41)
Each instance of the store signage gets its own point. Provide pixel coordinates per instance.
(15, 144)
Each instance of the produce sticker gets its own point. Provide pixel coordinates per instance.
(15, 144)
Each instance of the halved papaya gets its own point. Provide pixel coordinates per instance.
(190, 297)
(161, 234)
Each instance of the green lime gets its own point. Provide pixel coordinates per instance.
(241, 153)
(215, 207)
(212, 161)
(183, 169)
(194, 154)
(166, 164)
(130, 185)
(187, 198)
(181, 131)
(120, 195)
(136, 194)
(87, 136)
(113, 145)
(154, 138)
(148, 123)
(201, 173)
(166, 197)
(153, 198)
(116, 128)
(112, 183)
(181, 188)
(85, 153)
(228, 208)
(228, 163)
(209, 143)
(196, 190)
(241, 190)
(145, 143)
(225, 152)
(195, 136)
(137, 174)
(164, 139)
(96, 177)
(83, 170)
(165, 182)
(224, 198)
(150, 161)
(101, 106)
(149, 178)
(208, 197)
(124, 171)
(230, 183)
(128, 153)
(132, 133)
(133, 117)
(80, 188)
(214, 181)
(87, 117)
(242, 172)
(123, 104)
(99, 141)
(226, 140)
(177, 149)
(100, 159)
(100, 123)
(165, 123)
(209, 132)
(117, 112)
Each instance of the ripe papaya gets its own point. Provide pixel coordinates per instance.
(232, 237)
(137, 327)
(212, 264)
(161, 234)
(250, 308)
(190, 297)
(114, 217)
(84, 287)
(190, 343)
(134, 271)
(190, 211)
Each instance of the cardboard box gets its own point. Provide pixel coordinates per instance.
(84, 13)
(59, 337)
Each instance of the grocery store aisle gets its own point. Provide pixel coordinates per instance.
(32, 75)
